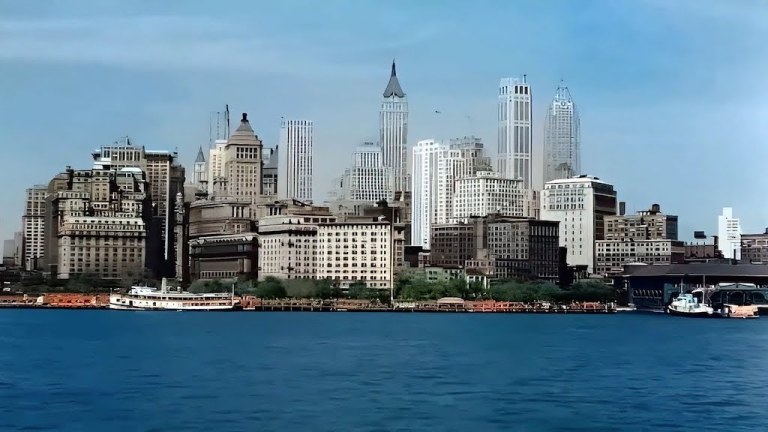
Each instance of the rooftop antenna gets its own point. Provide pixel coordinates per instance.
(524, 76)
(226, 119)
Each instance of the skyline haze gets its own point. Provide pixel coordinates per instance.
(670, 95)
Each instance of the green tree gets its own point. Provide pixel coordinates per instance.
(324, 289)
(358, 290)
(271, 288)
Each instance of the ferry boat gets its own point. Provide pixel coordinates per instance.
(689, 306)
(142, 298)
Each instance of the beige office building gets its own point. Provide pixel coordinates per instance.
(243, 163)
(352, 251)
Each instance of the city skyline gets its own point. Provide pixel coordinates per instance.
(51, 71)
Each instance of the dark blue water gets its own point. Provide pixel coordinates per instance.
(124, 371)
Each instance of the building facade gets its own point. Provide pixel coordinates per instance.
(368, 179)
(580, 204)
(269, 174)
(33, 227)
(221, 238)
(295, 161)
(243, 162)
(100, 223)
(215, 168)
(436, 166)
(523, 248)
(393, 131)
(485, 193)
(729, 234)
(166, 179)
(515, 136)
(288, 245)
(562, 137)
(356, 251)
(754, 247)
(648, 237)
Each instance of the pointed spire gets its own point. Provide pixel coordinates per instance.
(200, 156)
(393, 86)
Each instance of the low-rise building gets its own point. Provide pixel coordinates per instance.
(754, 247)
(524, 248)
(288, 245)
(648, 237)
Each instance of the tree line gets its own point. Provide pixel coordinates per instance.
(415, 289)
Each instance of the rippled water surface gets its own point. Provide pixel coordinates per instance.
(167, 371)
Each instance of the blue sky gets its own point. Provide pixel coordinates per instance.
(672, 94)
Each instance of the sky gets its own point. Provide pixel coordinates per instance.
(672, 95)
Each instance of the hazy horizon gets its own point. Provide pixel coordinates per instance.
(670, 94)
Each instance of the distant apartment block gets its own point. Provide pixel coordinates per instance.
(484, 193)
(359, 251)
(500, 246)
(754, 247)
(648, 237)
(289, 244)
(33, 227)
(580, 204)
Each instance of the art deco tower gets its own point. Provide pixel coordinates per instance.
(393, 132)
(562, 140)
(515, 139)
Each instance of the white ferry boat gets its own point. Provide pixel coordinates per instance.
(148, 298)
(689, 306)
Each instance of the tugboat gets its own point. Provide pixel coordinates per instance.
(687, 305)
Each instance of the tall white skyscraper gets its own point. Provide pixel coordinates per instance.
(562, 139)
(393, 131)
(436, 166)
(294, 170)
(515, 137)
(729, 234)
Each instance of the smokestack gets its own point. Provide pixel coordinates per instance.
(622, 208)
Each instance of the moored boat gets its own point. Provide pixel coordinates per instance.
(687, 305)
(142, 298)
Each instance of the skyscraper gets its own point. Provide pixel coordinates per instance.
(729, 234)
(393, 131)
(295, 160)
(562, 140)
(166, 178)
(515, 137)
(33, 227)
(242, 163)
(436, 167)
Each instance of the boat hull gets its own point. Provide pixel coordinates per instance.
(692, 314)
(171, 309)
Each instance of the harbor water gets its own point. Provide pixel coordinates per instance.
(100, 370)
